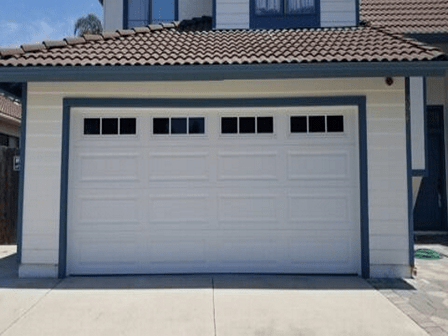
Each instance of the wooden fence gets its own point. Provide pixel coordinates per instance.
(9, 182)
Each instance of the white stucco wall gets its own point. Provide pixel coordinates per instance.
(386, 124)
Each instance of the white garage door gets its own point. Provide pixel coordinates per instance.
(214, 190)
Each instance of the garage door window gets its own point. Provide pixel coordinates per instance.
(194, 125)
(317, 124)
(110, 126)
(247, 125)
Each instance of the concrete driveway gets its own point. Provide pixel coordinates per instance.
(196, 305)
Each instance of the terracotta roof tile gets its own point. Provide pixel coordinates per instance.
(10, 108)
(33, 47)
(55, 43)
(182, 44)
(407, 16)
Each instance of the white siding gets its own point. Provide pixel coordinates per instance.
(232, 14)
(338, 13)
(386, 154)
(113, 14)
(417, 123)
(189, 9)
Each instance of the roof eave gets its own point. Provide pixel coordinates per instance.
(9, 119)
(221, 72)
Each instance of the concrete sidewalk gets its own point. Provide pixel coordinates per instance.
(196, 305)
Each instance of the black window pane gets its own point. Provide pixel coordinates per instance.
(229, 125)
(196, 126)
(128, 126)
(298, 124)
(335, 124)
(4, 140)
(161, 126)
(178, 125)
(265, 125)
(92, 126)
(109, 126)
(247, 125)
(317, 123)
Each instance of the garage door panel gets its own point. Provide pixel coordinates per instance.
(176, 250)
(247, 251)
(179, 209)
(319, 208)
(320, 165)
(113, 167)
(180, 166)
(247, 208)
(110, 209)
(249, 165)
(105, 249)
(318, 250)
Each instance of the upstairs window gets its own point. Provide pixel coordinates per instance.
(280, 7)
(144, 12)
(285, 14)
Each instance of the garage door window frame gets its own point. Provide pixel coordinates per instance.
(358, 101)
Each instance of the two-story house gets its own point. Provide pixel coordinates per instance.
(264, 137)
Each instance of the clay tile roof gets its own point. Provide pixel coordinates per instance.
(10, 108)
(407, 16)
(194, 42)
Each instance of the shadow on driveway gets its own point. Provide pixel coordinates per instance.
(9, 279)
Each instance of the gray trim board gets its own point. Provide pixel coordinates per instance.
(223, 72)
(359, 101)
(19, 231)
(64, 188)
(125, 14)
(358, 9)
(409, 171)
(214, 15)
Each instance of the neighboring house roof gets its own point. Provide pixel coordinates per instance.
(10, 108)
(181, 44)
(407, 16)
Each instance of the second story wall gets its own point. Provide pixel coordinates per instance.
(189, 9)
(237, 14)
(338, 13)
(244, 14)
(232, 14)
(113, 15)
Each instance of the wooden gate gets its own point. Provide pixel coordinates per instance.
(8, 195)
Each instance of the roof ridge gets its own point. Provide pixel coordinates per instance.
(77, 40)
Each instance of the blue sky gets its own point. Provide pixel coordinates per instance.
(31, 21)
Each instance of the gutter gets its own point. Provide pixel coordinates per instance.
(223, 71)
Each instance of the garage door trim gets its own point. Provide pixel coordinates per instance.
(359, 101)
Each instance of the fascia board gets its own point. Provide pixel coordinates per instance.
(221, 72)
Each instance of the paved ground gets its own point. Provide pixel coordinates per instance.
(424, 298)
(206, 305)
